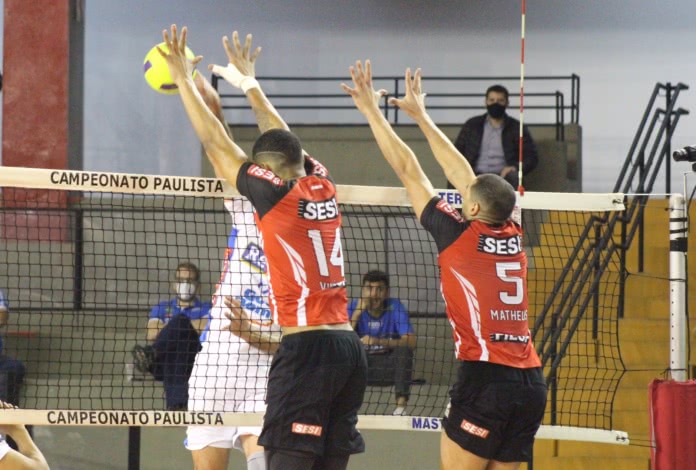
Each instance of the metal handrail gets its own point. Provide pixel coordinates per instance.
(446, 94)
(595, 247)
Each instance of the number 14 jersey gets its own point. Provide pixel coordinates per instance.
(300, 225)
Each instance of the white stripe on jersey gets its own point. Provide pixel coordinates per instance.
(300, 275)
(474, 312)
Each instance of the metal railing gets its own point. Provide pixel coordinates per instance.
(549, 100)
(576, 290)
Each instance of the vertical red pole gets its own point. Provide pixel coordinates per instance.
(42, 107)
(520, 156)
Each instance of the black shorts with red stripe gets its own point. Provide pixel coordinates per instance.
(496, 410)
(315, 390)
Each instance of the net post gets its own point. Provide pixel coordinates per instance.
(134, 447)
(677, 287)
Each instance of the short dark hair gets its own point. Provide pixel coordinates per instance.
(281, 143)
(376, 275)
(189, 266)
(498, 89)
(496, 195)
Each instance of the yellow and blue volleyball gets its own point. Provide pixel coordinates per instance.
(157, 73)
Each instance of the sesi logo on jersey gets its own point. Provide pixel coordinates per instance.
(443, 206)
(471, 428)
(317, 168)
(258, 172)
(507, 246)
(318, 210)
(311, 429)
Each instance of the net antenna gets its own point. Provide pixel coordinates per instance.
(520, 188)
(678, 325)
(94, 251)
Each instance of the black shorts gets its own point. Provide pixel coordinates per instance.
(496, 410)
(315, 390)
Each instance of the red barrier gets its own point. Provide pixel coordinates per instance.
(672, 425)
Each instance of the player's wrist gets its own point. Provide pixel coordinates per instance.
(249, 83)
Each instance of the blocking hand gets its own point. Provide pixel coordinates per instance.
(364, 96)
(413, 103)
(241, 59)
(180, 67)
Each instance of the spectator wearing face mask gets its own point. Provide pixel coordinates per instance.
(173, 333)
(491, 142)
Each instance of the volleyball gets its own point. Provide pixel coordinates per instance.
(157, 73)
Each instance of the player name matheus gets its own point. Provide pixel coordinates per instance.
(509, 315)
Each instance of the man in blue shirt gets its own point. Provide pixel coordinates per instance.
(12, 371)
(174, 329)
(384, 327)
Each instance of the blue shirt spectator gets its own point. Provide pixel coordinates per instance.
(393, 323)
(12, 371)
(384, 328)
(174, 328)
(167, 309)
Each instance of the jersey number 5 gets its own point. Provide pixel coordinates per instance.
(336, 258)
(517, 296)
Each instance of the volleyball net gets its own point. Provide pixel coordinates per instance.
(88, 254)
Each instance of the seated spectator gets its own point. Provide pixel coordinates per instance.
(491, 142)
(27, 456)
(384, 327)
(174, 329)
(12, 371)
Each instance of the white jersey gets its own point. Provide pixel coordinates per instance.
(228, 370)
(4, 447)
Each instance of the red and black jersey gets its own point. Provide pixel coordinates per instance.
(483, 278)
(300, 225)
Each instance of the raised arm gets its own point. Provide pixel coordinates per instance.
(457, 169)
(240, 72)
(395, 151)
(225, 156)
(28, 456)
(212, 100)
(265, 339)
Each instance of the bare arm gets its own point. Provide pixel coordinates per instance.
(226, 156)
(457, 169)
(399, 156)
(212, 100)
(265, 341)
(242, 326)
(28, 457)
(241, 73)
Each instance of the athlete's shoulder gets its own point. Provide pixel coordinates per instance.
(315, 167)
(256, 172)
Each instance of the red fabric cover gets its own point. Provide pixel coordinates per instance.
(672, 424)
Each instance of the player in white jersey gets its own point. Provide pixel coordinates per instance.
(231, 371)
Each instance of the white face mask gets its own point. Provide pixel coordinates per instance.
(185, 290)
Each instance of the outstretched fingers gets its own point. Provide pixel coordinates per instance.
(175, 45)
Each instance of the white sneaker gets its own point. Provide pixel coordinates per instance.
(399, 411)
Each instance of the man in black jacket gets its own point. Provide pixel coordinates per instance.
(491, 141)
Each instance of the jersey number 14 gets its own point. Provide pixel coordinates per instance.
(336, 257)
